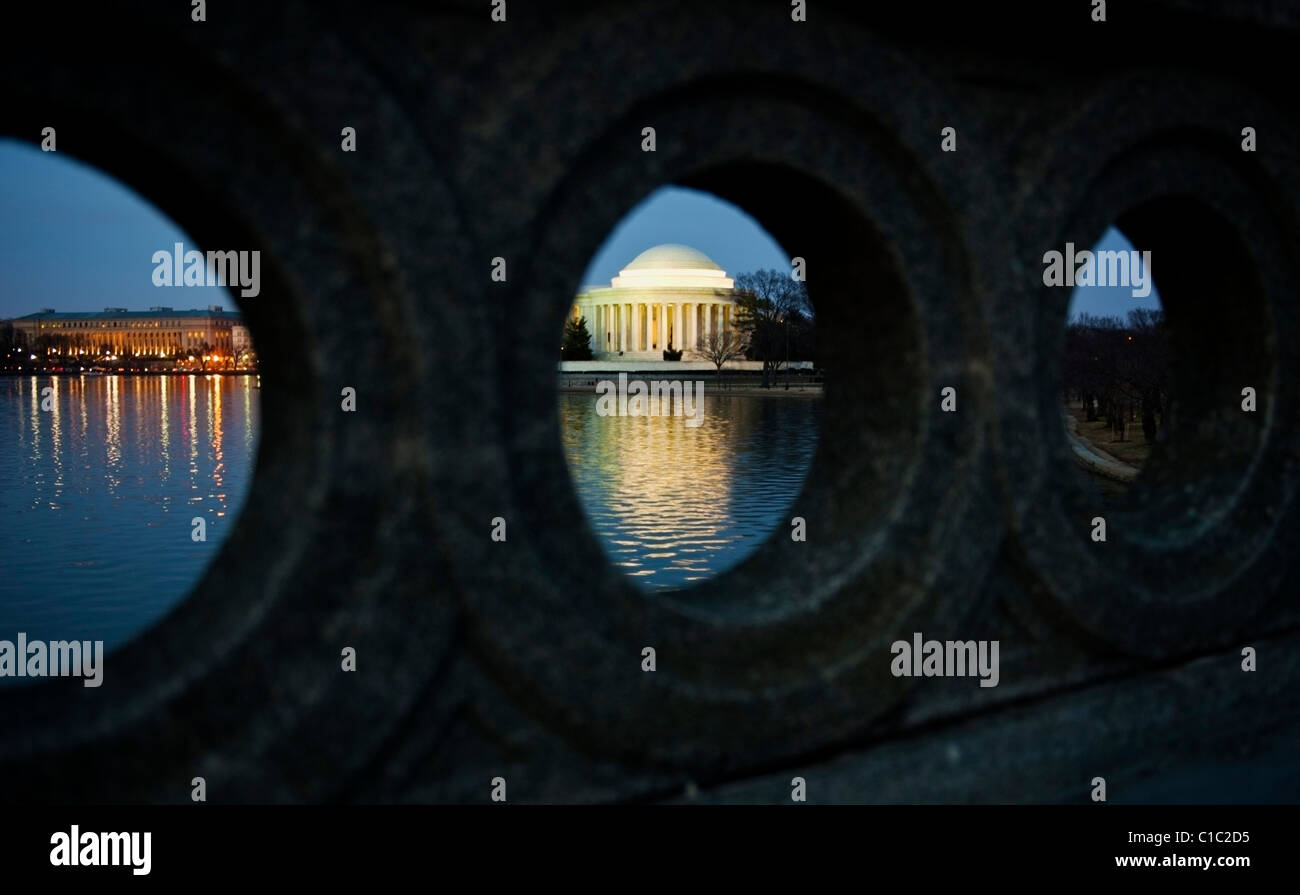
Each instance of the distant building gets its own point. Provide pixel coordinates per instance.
(669, 294)
(240, 338)
(157, 332)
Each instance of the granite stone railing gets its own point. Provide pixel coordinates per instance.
(522, 658)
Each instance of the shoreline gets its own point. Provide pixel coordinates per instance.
(129, 372)
(740, 390)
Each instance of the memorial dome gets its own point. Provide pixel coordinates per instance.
(671, 256)
(672, 266)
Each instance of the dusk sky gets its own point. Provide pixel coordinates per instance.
(74, 239)
(701, 220)
(1111, 301)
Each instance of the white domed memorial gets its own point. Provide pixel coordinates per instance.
(707, 469)
(669, 297)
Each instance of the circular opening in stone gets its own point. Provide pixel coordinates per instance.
(1200, 346)
(690, 388)
(1116, 366)
(129, 405)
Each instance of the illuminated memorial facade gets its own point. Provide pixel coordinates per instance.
(670, 296)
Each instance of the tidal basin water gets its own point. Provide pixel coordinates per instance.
(97, 495)
(673, 505)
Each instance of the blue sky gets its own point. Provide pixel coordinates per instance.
(74, 239)
(736, 241)
(1110, 301)
(701, 220)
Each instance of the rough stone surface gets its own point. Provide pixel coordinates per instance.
(522, 659)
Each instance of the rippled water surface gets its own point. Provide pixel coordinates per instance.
(98, 493)
(674, 505)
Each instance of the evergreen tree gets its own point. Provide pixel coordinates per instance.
(577, 340)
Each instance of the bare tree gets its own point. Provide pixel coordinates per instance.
(1151, 359)
(720, 347)
(770, 303)
(1117, 369)
(200, 353)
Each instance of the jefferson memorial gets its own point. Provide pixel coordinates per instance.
(670, 295)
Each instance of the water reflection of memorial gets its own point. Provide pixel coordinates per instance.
(672, 504)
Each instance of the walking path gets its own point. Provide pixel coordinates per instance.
(1093, 458)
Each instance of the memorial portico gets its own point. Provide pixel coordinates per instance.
(668, 295)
